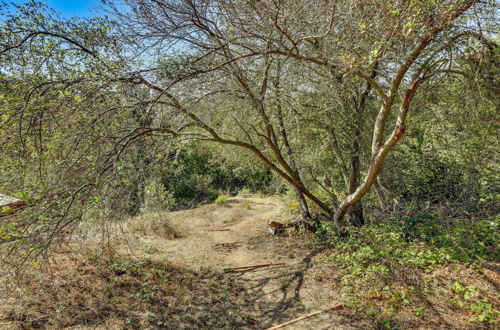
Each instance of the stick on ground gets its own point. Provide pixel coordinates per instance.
(218, 229)
(255, 266)
(336, 306)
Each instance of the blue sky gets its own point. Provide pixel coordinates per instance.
(74, 7)
(70, 8)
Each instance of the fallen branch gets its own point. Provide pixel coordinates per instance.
(218, 229)
(336, 306)
(252, 267)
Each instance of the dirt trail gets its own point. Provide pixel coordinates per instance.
(278, 293)
(222, 249)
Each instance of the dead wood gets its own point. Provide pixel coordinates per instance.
(336, 306)
(254, 266)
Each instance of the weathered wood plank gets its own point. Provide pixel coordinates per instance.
(12, 205)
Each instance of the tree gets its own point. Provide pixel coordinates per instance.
(310, 89)
(388, 49)
(63, 121)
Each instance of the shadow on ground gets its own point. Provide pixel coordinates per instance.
(243, 299)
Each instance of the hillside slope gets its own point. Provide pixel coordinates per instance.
(169, 270)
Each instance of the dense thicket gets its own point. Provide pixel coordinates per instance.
(362, 109)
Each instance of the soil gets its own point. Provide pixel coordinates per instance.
(236, 235)
(197, 249)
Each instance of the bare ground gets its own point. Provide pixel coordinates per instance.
(172, 274)
(277, 294)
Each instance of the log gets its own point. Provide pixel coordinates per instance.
(254, 266)
(336, 306)
(218, 229)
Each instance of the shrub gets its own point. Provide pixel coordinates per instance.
(195, 173)
(436, 178)
(388, 267)
(245, 191)
(153, 224)
(157, 198)
(464, 240)
(221, 200)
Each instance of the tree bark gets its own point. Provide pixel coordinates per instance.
(356, 212)
(382, 195)
(303, 206)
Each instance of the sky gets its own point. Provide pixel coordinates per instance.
(69, 8)
(74, 7)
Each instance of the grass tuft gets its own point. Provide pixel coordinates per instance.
(221, 200)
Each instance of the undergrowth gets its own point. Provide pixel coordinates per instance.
(395, 272)
(466, 241)
(221, 200)
(153, 223)
(122, 293)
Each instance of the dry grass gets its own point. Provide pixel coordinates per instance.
(173, 278)
(114, 292)
(157, 224)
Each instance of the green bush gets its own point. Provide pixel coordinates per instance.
(221, 200)
(372, 248)
(464, 240)
(420, 172)
(195, 173)
(245, 191)
(157, 198)
(383, 266)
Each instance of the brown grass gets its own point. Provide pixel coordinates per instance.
(157, 224)
(169, 274)
(114, 292)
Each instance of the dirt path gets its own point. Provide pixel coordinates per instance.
(162, 280)
(277, 294)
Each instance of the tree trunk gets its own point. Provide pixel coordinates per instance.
(339, 220)
(303, 207)
(356, 215)
(356, 211)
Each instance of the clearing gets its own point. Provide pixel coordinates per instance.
(168, 270)
(235, 235)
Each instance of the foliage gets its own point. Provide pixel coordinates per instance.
(166, 104)
(194, 173)
(449, 156)
(484, 312)
(303, 99)
(465, 240)
(379, 246)
(105, 117)
(430, 179)
(384, 269)
(157, 198)
(221, 200)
